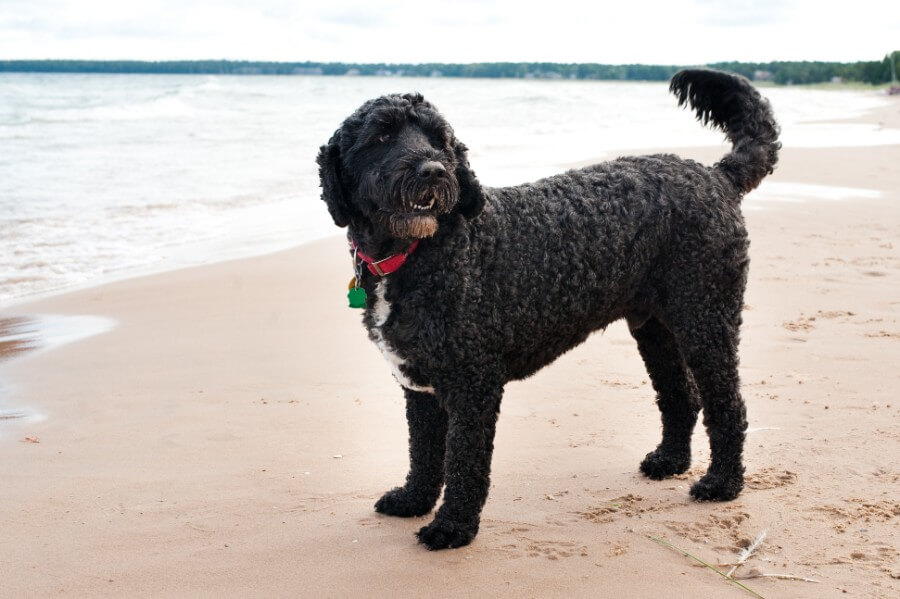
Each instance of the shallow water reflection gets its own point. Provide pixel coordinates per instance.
(22, 336)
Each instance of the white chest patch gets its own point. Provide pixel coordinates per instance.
(380, 315)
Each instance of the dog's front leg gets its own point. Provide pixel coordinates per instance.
(472, 419)
(427, 421)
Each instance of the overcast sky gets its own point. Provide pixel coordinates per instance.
(622, 31)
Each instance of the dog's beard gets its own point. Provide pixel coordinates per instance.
(414, 213)
(406, 225)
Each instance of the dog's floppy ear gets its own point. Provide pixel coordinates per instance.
(333, 191)
(471, 196)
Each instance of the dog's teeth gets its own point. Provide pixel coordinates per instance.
(424, 206)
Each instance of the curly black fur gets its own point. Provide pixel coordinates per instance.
(505, 280)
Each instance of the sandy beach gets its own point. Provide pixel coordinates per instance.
(230, 434)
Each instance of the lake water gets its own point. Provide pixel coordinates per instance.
(105, 175)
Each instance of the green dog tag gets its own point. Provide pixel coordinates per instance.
(357, 297)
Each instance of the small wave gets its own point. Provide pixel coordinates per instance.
(532, 99)
(14, 119)
(9, 416)
(140, 209)
(165, 107)
(210, 84)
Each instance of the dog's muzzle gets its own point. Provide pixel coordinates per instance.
(422, 192)
(429, 173)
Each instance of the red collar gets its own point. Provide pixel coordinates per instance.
(387, 265)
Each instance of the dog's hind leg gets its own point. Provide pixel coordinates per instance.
(427, 441)
(472, 415)
(676, 396)
(707, 335)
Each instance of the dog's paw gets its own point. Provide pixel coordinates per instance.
(446, 534)
(404, 503)
(662, 464)
(715, 487)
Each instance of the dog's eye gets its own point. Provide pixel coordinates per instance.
(384, 137)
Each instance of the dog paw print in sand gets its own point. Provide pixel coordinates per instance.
(368, 521)
(883, 335)
(875, 266)
(554, 550)
(800, 325)
(520, 544)
(585, 441)
(724, 531)
(874, 554)
(853, 513)
(628, 506)
(866, 539)
(618, 383)
(769, 478)
(873, 557)
(806, 323)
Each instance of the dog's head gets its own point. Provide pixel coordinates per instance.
(395, 165)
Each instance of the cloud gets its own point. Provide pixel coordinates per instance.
(648, 31)
(366, 17)
(744, 13)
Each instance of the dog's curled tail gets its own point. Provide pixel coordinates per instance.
(732, 104)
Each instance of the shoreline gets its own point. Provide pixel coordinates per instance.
(231, 433)
(824, 172)
(13, 341)
(199, 255)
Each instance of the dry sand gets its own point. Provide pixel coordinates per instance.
(230, 435)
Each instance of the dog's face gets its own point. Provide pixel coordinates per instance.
(395, 165)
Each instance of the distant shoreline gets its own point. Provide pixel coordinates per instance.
(780, 72)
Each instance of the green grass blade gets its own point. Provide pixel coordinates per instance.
(704, 564)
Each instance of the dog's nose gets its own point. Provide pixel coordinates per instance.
(431, 170)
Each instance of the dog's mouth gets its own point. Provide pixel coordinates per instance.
(415, 207)
(425, 199)
(418, 217)
(424, 203)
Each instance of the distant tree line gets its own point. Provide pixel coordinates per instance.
(871, 71)
(874, 72)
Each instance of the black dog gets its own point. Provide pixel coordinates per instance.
(498, 283)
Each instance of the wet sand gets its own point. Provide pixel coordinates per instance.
(230, 435)
(15, 338)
